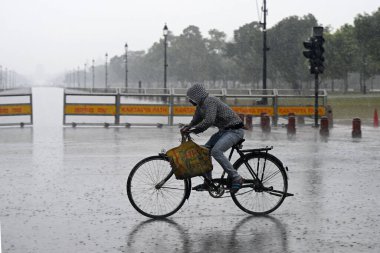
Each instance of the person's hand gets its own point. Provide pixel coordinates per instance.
(185, 130)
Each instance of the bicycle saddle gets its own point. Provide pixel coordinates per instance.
(239, 143)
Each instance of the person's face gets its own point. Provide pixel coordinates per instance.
(192, 102)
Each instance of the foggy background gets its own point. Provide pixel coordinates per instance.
(42, 39)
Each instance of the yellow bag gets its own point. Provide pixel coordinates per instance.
(189, 160)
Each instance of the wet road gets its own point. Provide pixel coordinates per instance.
(63, 190)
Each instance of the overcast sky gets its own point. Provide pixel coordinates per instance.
(41, 38)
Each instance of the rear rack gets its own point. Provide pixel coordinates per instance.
(256, 150)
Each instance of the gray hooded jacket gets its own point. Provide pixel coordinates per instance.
(210, 111)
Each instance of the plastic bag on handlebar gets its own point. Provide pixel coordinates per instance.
(189, 159)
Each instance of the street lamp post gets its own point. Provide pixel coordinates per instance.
(126, 65)
(5, 78)
(68, 79)
(78, 77)
(74, 78)
(13, 79)
(10, 79)
(1, 76)
(93, 73)
(165, 31)
(106, 75)
(84, 75)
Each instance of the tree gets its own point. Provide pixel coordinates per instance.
(136, 69)
(341, 54)
(188, 56)
(246, 53)
(116, 68)
(366, 29)
(216, 62)
(285, 40)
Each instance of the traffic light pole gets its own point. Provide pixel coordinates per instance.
(314, 53)
(316, 100)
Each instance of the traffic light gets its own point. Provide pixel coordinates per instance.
(310, 53)
(310, 46)
(314, 51)
(319, 50)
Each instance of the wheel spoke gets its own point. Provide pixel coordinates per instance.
(242, 193)
(266, 179)
(172, 188)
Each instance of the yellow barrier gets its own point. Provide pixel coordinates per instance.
(254, 111)
(160, 110)
(15, 109)
(249, 110)
(165, 104)
(154, 110)
(90, 109)
(183, 110)
(300, 110)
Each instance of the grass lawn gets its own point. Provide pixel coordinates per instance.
(354, 106)
(345, 107)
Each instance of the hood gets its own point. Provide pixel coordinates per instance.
(197, 93)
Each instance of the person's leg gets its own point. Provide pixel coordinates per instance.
(209, 144)
(225, 142)
(213, 139)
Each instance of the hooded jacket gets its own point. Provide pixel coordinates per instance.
(210, 111)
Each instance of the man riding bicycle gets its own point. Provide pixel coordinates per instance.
(211, 111)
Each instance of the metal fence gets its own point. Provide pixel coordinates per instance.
(173, 103)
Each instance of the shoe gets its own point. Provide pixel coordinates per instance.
(201, 187)
(236, 185)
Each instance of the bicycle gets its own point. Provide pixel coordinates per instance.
(154, 191)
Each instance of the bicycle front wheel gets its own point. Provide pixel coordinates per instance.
(148, 191)
(264, 194)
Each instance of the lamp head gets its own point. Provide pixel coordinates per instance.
(166, 30)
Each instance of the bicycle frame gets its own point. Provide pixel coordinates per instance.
(241, 153)
(222, 180)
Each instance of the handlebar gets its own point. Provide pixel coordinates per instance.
(185, 136)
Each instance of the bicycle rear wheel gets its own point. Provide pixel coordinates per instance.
(266, 193)
(147, 196)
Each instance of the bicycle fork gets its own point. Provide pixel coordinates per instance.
(163, 181)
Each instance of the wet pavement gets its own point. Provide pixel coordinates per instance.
(63, 190)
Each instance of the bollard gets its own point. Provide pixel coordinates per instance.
(324, 130)
(248, 122)
(375, 119)
(356, 128)
(265, 123)
(291, 128)
(330, 116)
